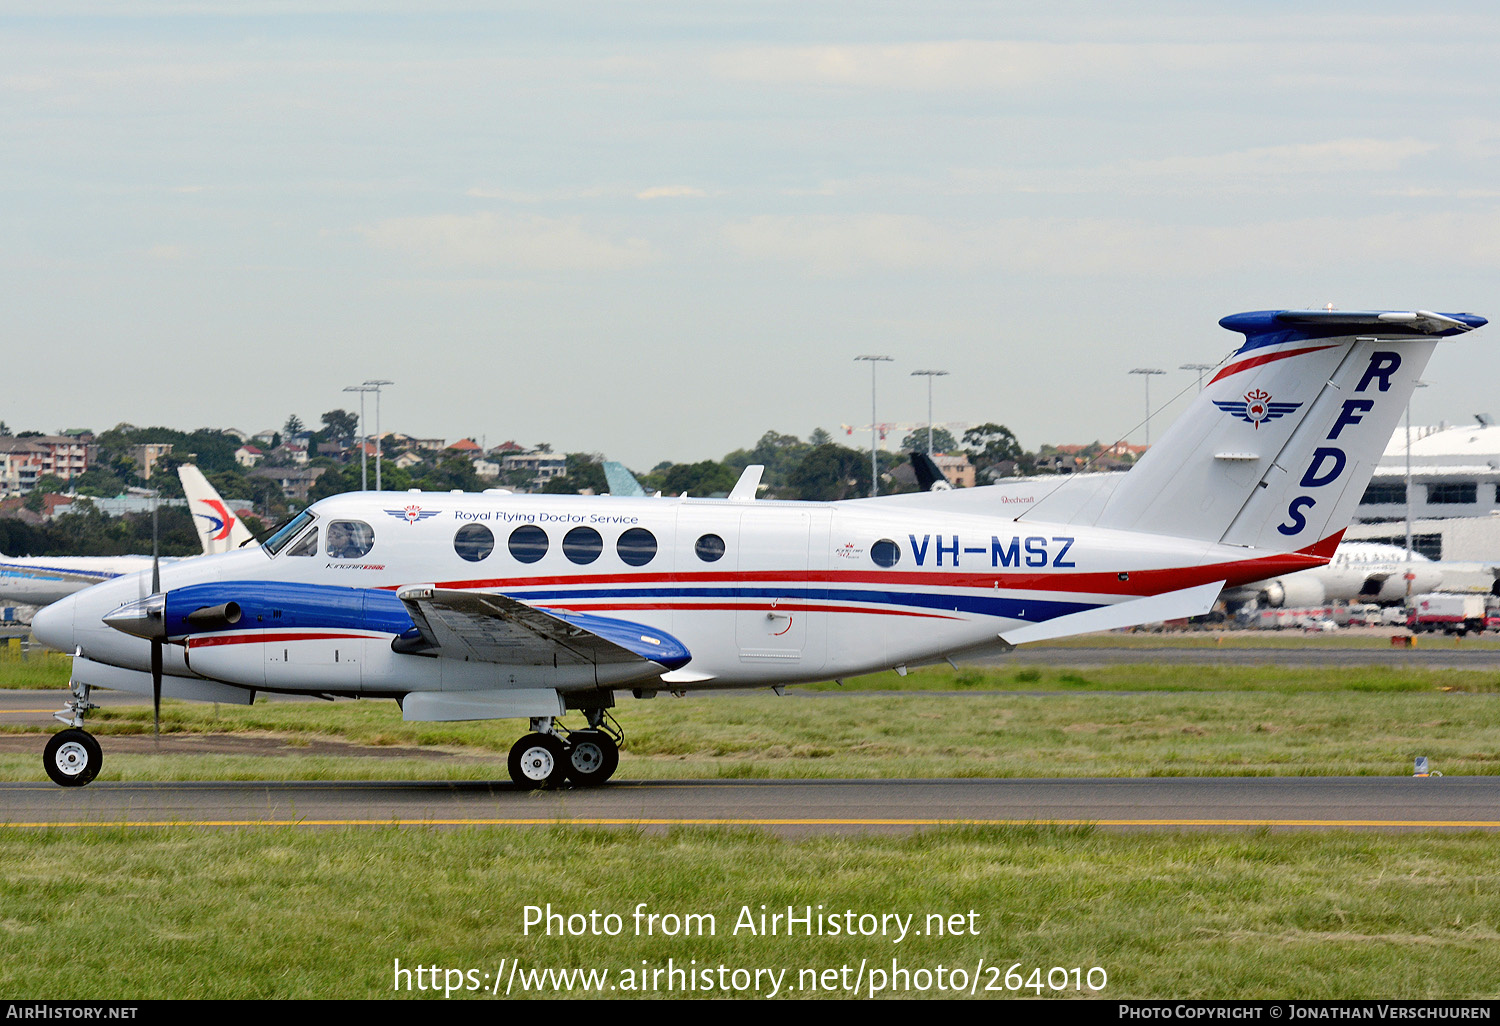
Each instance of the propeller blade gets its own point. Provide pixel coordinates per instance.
(156, 650)
(156, 658)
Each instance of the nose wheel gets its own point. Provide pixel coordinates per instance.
(72, 757)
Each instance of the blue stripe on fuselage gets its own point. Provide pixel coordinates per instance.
(1031, 609)
(273, 604)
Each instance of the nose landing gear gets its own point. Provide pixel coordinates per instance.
(72, 757)
(552, 754)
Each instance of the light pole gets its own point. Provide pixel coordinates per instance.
(364, 475)
(1420, 384)
(1147, 372)
(874, 424)
(929, 375)
(378, 453)
(1200, 368)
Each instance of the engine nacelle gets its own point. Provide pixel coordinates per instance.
(1294, 590)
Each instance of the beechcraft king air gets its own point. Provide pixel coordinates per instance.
(490, 606)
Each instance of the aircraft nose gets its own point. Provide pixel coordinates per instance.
(53, 625)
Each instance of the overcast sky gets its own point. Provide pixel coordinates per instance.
(657, 230)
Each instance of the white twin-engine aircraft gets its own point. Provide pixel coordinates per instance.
(463, 606)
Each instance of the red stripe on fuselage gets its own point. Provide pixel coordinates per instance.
(208, 640)
(1134, 583)
(588, 605)
(1258, 361)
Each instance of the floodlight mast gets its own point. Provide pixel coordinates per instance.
(1147, 372)
(375, 385)
(364, 477)
(1200, 368)
(874, 424)
(929, 375)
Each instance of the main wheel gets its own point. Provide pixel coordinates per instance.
(72, 757)
(593, 757)
(538, 760)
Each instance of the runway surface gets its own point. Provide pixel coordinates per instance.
(786, 806)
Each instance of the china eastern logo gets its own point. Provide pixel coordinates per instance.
(411, 514)
(1257, 407)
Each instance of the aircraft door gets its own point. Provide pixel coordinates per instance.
(778, 624)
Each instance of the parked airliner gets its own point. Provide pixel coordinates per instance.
(491, 606)
(39, 580)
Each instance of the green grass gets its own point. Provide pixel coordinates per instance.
(1373, 638)
(1203, 733)
(34, 668)
(284, 913)
(1286, 680)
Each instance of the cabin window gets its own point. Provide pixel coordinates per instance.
(307, 545)
(885, 553)
(474, 542)
(277, 541)
(349, 539)
(582, 545)
(637, 546)
(528, 543)
(710, 548)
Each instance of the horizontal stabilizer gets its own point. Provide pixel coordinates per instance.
(1278, 447)
(1173, 605)
(498, 629)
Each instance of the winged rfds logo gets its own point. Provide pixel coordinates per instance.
(1257, 407)
(411, 514)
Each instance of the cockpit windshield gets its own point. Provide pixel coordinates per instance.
(277, 541)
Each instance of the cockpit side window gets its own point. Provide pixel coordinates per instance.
(349, 539)
(307, 545)
(278, 541)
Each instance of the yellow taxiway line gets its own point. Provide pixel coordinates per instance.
(629, 822)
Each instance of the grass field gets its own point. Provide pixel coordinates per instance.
(275, 912)
(1109, 721)
(278, 913)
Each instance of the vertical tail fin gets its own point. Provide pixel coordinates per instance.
(622, 481)
(219, 530)
(1277, 450)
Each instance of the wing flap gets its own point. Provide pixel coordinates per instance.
(494, 628)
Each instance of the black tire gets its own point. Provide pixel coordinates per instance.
(593, 757)
(538, 760)
(72, 757)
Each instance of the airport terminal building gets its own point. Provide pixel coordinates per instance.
(1454, 495)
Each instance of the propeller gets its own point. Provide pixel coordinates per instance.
(156, 642)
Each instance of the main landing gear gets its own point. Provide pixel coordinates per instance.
(72, 757)
(552, 754)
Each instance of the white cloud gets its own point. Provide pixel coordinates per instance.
(1335, 156)
(959, 64)
(670, 192)
(872, 243)
(518, 243)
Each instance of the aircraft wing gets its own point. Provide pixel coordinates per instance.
(494, 628)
